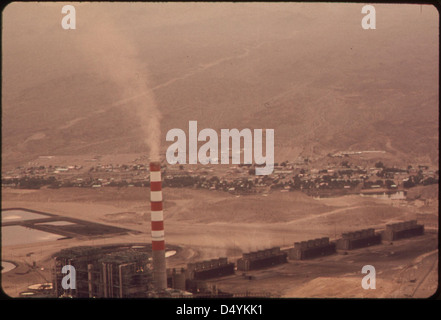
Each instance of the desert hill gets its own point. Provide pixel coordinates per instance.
(309, 71)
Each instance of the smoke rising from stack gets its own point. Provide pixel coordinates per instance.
(113, 55)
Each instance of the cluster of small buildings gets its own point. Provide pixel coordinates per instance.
(40, 171)
(118, 168)
(237, 179)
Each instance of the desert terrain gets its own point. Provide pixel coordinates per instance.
(215, 224)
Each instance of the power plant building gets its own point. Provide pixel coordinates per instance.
(125, 275)
(358, 239)
(312, 249)
(209, 269)
(103, 273)
(402, 230)
(261, 259)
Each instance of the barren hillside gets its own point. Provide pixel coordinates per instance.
(309, 71)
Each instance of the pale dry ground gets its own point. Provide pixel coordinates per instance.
(208, 225)
(417, 279)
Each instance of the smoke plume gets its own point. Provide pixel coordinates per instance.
(113, 55)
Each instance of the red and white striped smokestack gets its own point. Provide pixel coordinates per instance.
(157, 221)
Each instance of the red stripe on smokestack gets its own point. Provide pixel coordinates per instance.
(155, 166)
(158, 245)
(157, 225)
(155, 186)
(156, 206)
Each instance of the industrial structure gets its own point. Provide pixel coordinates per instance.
(358, 239)
(311, 249)
(261, 259)
(193, 277)
(124, 275)
(157, 224)
(402, 230)
(177, 279)
(104, 272)
(209, 269)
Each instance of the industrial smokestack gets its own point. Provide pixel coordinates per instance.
(157, 221)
